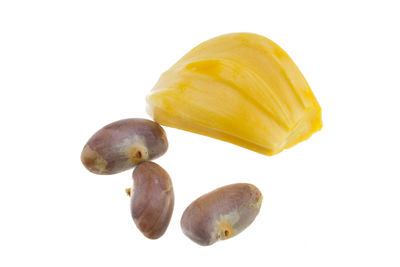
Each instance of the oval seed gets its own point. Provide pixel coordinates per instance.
(222, 213)
(152, 199)
(121, 145)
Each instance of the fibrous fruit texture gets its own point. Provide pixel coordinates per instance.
(241, 88)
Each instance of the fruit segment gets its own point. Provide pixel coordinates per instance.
(241, 88)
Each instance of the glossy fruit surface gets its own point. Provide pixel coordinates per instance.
(241, 88)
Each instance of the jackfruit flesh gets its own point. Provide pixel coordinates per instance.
(241, 88)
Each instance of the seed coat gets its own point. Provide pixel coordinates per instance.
(121, 145)
(152, 199)
(222, 213)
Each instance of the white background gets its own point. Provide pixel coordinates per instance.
(67, 68)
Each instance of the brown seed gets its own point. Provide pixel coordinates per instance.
(152, 199)
(221, 214)
(121, 145)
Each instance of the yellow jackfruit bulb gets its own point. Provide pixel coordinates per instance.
(241, 88)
